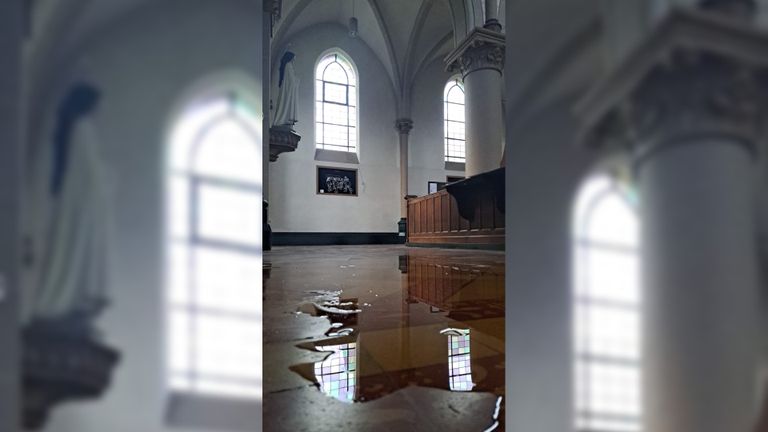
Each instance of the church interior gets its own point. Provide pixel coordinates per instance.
(378, 215)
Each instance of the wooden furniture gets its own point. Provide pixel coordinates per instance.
(468, 213)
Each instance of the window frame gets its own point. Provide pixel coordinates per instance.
(320, 86)
(454, 82)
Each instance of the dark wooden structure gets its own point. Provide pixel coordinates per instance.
(468, 213)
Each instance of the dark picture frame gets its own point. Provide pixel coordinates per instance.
(433, 186)
(336, 181)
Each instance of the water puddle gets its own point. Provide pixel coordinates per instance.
(432, 324)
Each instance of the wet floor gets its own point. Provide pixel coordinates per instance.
(383, 338)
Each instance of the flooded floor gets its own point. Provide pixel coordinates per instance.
(388, 338)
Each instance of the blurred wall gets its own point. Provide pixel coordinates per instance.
(145, 64)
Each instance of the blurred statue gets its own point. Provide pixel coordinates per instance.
(74, 270)
(288, 93)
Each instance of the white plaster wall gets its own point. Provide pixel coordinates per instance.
(426, 146)
(294, 204)
(144, 64)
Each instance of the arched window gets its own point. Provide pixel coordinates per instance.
(607, 311)
(453, 119)
(214, 251)
(336, 104)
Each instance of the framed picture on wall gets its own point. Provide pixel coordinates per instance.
(336, 181)
(434, 186)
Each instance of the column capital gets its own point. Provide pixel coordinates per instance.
(404, 125)
(482, 49)
(700, 74)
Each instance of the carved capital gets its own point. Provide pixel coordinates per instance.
(482, 49)
(695, 95)
(404, 125)
(675, 91)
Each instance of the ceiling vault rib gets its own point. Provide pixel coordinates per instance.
(397, 80)
(285, 24)
(421, 17)
(581, 40)
(433, 52)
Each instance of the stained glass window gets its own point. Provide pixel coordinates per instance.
(337, 374)
(336, 104)
(453, 119)
(214, 251)
(607, 310)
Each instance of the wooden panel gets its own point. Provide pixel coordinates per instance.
(454, 215)
(435, 219)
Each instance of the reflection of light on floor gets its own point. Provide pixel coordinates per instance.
(459, 363)
(336, 375)
(495, 424)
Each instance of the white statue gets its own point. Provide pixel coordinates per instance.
(288, 93)
(74, 271)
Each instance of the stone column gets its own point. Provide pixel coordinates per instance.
(403, 127)
(690, 115)
(480, 58)
(11, 162)
(492, 15)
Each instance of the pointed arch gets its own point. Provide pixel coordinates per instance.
(453, 121)
(336, 102)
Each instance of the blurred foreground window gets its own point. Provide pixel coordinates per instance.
(214, 251)
(607, 310)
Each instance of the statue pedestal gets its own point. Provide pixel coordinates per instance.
(282, 139)
(62, 366)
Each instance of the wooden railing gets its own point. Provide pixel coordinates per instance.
(439, 219)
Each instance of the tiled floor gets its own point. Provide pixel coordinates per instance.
(368, 338)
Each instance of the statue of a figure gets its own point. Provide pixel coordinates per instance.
(288, 93)
(74, 272)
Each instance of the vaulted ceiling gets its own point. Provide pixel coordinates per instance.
(404, 34)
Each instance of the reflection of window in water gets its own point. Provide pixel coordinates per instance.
(459, 363)
(337, 374)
